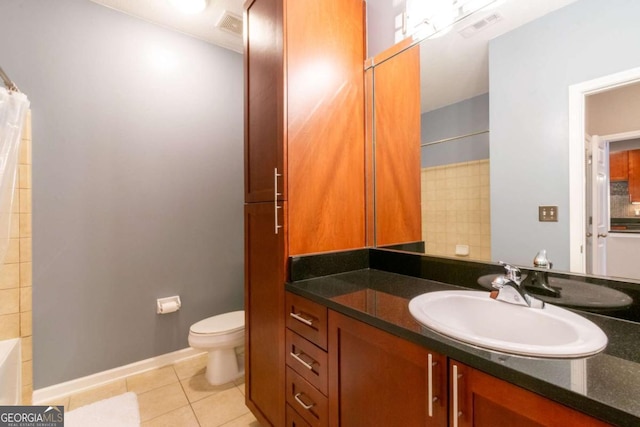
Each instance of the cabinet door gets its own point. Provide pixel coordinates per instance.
(378, 379)
(634, 176)
(325, 125)
(480, 400)
(619, 166)
(264, 106)
(397, 149)
(264, 310)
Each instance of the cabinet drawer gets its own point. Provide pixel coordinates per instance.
(294, 419)
(308, 319)
(307, 360)
(312, 405)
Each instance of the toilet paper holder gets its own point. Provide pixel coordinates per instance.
(168, 304)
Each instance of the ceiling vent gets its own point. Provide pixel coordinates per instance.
(480, 25)
(230, 23)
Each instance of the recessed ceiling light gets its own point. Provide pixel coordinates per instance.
(190, 6)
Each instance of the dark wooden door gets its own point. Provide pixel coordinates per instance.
(485, 401)
(377, 379)
(264, 122)
(264, 310)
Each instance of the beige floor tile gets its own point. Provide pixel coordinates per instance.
(103, 392)
(182, 417)
(161, 401)
(192, 366)
(220, 408)
(240, 384)
(197, 388)
(247, 420)
(147, 381)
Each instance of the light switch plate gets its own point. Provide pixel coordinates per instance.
(548, 213)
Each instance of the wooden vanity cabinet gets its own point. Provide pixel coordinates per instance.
(304, 165)
(378, 379)
(306, 358)
(304, 118)
(478, 399)
(342, 372)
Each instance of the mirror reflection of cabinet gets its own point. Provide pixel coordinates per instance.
(625, 166)
(397, 149)
(634, 176)
(619, 166)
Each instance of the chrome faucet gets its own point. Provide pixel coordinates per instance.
(509, 288)
(537, 282)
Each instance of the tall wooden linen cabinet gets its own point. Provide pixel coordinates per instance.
(304, 164)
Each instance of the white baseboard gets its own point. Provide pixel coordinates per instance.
(57, 391)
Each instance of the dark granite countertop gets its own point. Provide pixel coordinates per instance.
(606, 386)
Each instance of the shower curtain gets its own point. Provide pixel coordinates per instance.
(13, 108)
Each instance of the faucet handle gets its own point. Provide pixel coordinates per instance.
(512, 272)
(541, 260)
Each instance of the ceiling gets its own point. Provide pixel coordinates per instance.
(461, 70)
(202, 25)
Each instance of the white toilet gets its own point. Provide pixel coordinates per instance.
(220, 335)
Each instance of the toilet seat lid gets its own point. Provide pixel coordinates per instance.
(222, 323)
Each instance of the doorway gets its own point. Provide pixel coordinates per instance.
(609, 205)
(578, 133)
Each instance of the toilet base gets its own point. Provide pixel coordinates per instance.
(222, 367)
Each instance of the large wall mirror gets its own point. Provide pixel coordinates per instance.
(495, 132)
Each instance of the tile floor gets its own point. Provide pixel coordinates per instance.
(176, 395)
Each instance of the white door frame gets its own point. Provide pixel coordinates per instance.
(577, 95)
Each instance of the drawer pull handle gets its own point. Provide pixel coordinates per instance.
(275, 198)
(304, 405)
(299, 359)
(430, 385)
(298, 316)
(456, 412)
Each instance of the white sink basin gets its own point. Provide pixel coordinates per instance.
(473, 317)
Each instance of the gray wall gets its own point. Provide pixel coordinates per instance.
(381, 24)
(137, 182)
(531, 69)
(461, 118)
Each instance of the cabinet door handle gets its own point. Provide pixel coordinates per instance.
(304, 405)
(298, 317)
(275, 198)
(430, 385)
(299, 359)
(602, 235)
(456, 411)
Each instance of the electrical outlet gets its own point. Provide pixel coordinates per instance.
(548, 213)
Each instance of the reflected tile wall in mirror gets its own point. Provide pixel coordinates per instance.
(456, 209)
